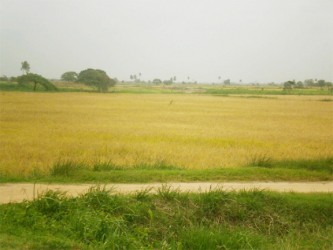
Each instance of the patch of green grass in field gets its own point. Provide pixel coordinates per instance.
(259, 169)
(255, 91)
(326, 100)
(324, 164)
(169, 220)
(183, 175)
(146, 90)
(10, 86)
(13, 86)
(242, 91)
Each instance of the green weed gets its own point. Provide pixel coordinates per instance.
(326, 100)
(65, 169)
(157, 166)
(258, 169)
(168, 219)
(323, 164)
(221, 238)
(105, 166)
(167, 193)
(261, 160)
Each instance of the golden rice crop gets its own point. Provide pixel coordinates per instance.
(192, 131)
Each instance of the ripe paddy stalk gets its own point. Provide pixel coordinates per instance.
(37, 130)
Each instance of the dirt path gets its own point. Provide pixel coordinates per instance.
(16, 192)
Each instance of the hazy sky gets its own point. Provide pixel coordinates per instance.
(252, 40)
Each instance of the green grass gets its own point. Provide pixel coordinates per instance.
(10, 86)
(326, 100)
(146, 89)
(324, 164)
(260, 168)
(255, 92)
(169, 220)
(131, 88)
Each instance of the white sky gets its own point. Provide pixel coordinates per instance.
(252, 40)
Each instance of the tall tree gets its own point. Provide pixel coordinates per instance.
(96, 78)
(321, 83)
(69, 76)
(227, 82)
(288, 86)
(36, 79)
(25, 67)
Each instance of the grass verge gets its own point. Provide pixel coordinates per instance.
(169, 220)
(260, 168)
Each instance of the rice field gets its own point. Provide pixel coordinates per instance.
(192, 131)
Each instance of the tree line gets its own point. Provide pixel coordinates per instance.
(289, 85)
(96, 78)
(99, 80)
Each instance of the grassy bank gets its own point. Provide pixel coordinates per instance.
(259, 169)
(169, 220)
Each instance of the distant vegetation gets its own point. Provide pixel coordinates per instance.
(96, 78)
(36, 80)
(69, 76)
(26, 80)
(10, 84)
(25, 67)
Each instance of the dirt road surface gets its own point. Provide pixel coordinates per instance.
(17, 192)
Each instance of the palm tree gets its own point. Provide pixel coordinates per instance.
(25, 67)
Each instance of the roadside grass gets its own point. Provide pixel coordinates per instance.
(169, 219)
(260, 168)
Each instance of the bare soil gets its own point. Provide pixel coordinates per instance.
(17, 192)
